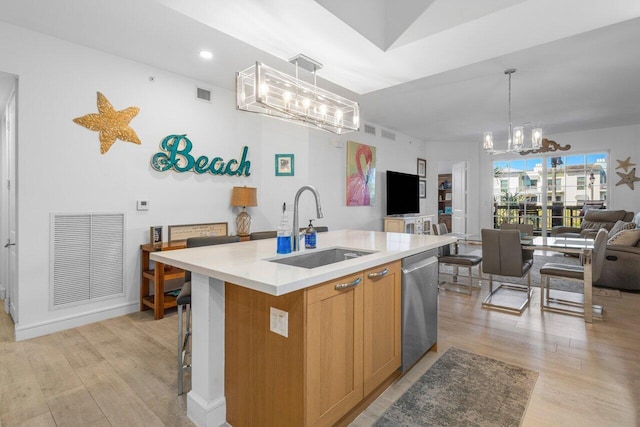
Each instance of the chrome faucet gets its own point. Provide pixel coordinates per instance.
(296, 227)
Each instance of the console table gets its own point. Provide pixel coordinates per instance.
(412, 224)
(159, 301)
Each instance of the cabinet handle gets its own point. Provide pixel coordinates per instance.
(348, 285)
(378, 274)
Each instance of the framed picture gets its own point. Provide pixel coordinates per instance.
(284, 165)
(183, 232)
(361, 174)
(155, 235)
(422, 168)
(422, 189)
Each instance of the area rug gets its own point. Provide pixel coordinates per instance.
(464, 389)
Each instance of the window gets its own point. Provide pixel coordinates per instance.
(516, 190)
(570, 182)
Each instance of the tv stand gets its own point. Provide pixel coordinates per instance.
(411, 224)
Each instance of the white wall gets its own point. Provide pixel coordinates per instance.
(60, 168)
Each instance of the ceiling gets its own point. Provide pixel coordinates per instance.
(432, 69)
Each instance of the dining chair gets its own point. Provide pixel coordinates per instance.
(184, 300)
(502, 255)
(319, 229)
(259, 235)
(524, 229)
(445, 257)
(567, 302)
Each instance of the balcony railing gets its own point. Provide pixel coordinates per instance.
(532, 214)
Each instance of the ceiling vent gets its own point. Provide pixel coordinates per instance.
(369, 129)
(203, 94)
(388, 135)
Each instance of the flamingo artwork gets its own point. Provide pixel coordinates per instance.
(361, 172)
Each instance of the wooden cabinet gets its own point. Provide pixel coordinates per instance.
(334, 380)
(382, 324)
(412, 224)
(445, 194)
(159, 301)
(344, 341)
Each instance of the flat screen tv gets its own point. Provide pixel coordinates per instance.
(402, 193)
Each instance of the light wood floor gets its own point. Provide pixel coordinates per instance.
(118, 372)
(122, 372)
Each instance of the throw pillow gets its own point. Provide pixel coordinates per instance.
(636, 219)
(625, 238)
(621, 225)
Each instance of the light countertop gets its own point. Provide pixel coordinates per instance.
(245, 264)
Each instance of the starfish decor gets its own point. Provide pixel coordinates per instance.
(628, 178)
(111, 124)
(625, 164)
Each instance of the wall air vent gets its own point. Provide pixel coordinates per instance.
(388, 135)
(369, 129)
(86, 258)
(203, 94)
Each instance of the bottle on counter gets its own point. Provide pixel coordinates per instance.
(310, 237)
(283, 233)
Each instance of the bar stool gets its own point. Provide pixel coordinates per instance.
(184, 300)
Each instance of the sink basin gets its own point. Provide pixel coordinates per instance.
(313, 259)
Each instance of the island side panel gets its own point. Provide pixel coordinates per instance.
(264, 371)
(206, 404)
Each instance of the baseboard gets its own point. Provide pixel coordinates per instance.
(24, 332)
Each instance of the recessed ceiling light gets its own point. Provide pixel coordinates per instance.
(205, 54)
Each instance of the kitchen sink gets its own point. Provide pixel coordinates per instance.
(313, 258)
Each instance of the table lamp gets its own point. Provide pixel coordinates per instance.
(243, 196)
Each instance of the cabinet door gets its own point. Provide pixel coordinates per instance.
(382, 323)
(394, 225)
(334, 382)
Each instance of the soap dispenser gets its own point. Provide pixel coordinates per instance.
(284, 233)
(310, 235)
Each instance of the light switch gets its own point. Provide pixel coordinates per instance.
(279, 322)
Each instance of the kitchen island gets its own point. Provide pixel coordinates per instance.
(246, 267)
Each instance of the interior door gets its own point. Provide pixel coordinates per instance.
(11, 302)
(459, 198)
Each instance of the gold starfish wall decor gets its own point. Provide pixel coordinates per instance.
(628, 178)
(625, 164)
(110, 124)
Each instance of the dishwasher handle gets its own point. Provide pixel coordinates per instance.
(420, 264)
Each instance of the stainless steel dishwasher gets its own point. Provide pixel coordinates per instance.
(419, 306)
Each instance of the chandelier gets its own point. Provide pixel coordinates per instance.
(516, 135)
(264, 90)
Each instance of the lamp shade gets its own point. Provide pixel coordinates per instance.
(244, 196)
